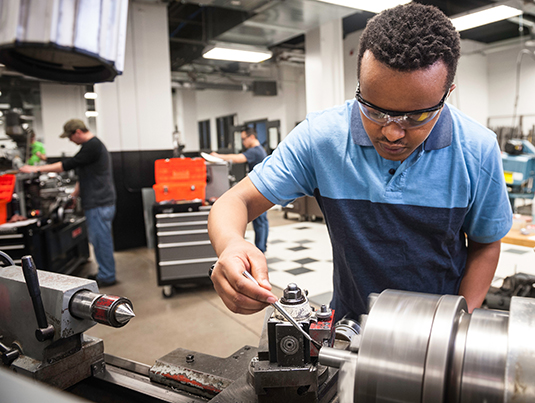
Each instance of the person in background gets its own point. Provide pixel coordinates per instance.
(97, 192)
(412, 190)
(254, 154)
(37, 150)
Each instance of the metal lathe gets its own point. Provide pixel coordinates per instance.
(411, 347)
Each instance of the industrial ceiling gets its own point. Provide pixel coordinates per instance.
(281, 24)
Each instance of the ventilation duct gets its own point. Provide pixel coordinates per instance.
(75, 41)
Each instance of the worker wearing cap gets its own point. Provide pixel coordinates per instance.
(95, 188)
(254, 154)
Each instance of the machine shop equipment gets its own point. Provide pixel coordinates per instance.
(517, 285)
(427, 348)
(284, 368)
(42, 319)
(183, 250)
(518, 159)
(412, 347)
(55, 233)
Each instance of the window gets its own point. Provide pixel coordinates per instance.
(204, 135)
(225, 132)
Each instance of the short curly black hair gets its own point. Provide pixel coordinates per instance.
(411, 37)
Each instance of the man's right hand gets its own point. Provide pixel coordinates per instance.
(240, 294)
(28, 169)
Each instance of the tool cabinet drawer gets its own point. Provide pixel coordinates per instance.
(174, 218)
(184, 269)
(196, 235)
(182, 226)
(185, 250)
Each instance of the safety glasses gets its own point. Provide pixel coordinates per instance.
(407, 120)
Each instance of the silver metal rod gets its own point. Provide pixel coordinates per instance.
(288, 317)
(333, 357)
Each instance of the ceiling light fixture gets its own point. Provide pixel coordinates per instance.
(237, 53)
(483, 17)
(375, 6)
(91, 114)
(90, 95)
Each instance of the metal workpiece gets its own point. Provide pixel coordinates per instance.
(333, 357)
(427, 348)
(385, 356)
(483, 372)
(346, 329)
(449, 311)
(106, 309)
(520, 361)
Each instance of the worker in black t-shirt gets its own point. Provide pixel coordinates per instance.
(97, 192)
(254, 154)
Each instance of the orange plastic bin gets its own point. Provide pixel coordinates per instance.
(7, 184)
(179, 179)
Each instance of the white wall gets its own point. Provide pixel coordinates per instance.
(135, 111)
(185, 109)
(324, 66)
(502, 87)
(351, 51)
(59, 103)
(472, 92)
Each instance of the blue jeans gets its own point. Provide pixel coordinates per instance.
(99, 231)
(261, 229)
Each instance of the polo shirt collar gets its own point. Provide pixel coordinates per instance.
(440, 136)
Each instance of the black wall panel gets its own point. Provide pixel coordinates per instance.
(132, 171)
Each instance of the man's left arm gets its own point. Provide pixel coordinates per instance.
(481, 265)
(235, 158)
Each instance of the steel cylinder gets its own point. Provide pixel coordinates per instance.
(427, 348)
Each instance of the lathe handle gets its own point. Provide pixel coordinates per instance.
(45, 331)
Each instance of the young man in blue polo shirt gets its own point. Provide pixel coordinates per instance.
(402, 179)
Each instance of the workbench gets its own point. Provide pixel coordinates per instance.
(516, 238)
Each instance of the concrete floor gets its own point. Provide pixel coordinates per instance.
(195, 318)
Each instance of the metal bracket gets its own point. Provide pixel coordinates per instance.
(98, 367)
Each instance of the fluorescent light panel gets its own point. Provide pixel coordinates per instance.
(484, 17)
(373, 6)
(237, 55)
(91, 114)
(90, 95)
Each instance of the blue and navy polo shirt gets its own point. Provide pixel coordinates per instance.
(392, 224)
